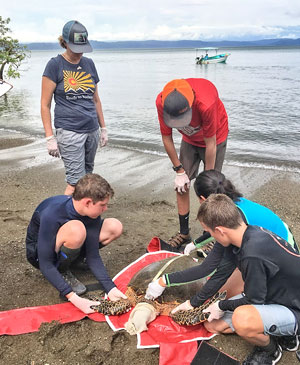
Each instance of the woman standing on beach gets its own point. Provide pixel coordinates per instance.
(72, 80)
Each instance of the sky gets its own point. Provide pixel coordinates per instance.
(122, 20)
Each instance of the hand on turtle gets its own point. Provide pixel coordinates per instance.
(189, 248)
(155, 289)
(103, 137)
(182, 182)
(82, 303)
(185, 306)
(215, 311)
(52, 146)
(115, 294)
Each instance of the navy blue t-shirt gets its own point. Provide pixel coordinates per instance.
(75, 87)
(48, 217)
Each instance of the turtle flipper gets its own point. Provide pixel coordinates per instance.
(190, 317)
(111, 308)
(196, 315)
(213, 299)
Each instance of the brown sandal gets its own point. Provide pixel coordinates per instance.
(179, 239)
(205, 250)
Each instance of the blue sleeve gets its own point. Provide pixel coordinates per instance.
(210, 263)
(95, 262)
(52, 70)
(259, 215)
(47, 255)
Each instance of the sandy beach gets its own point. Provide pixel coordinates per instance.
(145, 203)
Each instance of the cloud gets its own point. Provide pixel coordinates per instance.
(155, 19)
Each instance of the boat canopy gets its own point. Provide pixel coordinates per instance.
(207, 48)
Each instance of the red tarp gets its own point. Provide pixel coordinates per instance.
(177, 353)
(162, 332)
(26, 320)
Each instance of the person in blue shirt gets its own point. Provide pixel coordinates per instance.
(72, 80)
(214, 182)
(63, 228)
(210, 182)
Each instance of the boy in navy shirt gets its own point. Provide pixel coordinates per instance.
(63, 228)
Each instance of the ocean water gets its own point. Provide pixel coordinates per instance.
(260, 89)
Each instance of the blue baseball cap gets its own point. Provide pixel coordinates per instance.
(76, 37)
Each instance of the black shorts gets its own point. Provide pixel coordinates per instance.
(31, 252)
(32, 248)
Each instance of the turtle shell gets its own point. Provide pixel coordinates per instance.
(180, 293)
(171, 297)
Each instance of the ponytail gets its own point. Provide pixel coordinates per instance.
(214, 182)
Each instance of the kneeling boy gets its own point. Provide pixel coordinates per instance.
(63, 228)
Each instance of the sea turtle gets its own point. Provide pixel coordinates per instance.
(170, 298)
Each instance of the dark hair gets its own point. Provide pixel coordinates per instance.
(219, 210)
(214, 182)
(92, 186)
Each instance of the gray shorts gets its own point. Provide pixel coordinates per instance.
(191, 156)
(277, 319)
(78, 152)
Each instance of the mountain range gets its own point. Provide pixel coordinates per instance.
(278, 42)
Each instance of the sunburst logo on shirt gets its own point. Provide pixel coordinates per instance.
(77, 80)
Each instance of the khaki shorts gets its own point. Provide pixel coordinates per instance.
(78, 151)
(278, 320)
(191, 156)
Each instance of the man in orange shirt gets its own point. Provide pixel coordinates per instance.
(194, 108)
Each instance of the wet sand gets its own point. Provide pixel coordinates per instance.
(145, 203)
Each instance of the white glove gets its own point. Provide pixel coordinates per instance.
(115, 294)
(103, 137)
(182, 182)
(189, 248)
(186, 306)
(215, 311)
(154, 290)
(52, 146)
(83, 304)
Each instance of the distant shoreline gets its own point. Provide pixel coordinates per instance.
(181, 44)
(170, 49)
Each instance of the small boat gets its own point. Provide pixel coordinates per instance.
(4, 87)
(204, 60)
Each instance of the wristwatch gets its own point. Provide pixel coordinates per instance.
(177, 168)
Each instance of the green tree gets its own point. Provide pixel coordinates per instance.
(11, 52)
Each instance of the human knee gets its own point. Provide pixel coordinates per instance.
(112, 229)
(244, 320)
(72, 234)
